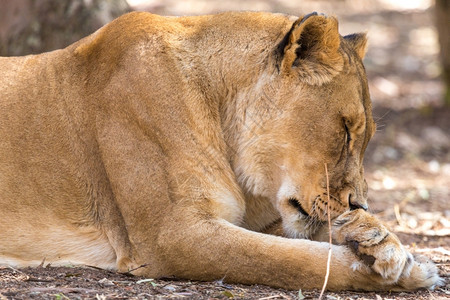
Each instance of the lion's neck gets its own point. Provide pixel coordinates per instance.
(234, 61)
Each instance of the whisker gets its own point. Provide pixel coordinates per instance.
(382, 117)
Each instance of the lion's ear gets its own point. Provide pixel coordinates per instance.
(311, 48)
(358, 41)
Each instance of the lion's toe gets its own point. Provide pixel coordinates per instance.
(392, 262)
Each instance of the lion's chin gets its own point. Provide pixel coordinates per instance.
(301, 227)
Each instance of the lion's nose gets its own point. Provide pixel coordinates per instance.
(353, 201)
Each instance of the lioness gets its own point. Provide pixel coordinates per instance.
(166, 146)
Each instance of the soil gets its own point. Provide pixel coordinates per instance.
(407, 163)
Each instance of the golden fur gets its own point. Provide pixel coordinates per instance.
(167, 146)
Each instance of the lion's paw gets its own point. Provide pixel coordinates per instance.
(373, 244)
(383, 252)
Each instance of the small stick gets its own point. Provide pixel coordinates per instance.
(128, 273)
(271, 297)
(329, 234)
(398, 216)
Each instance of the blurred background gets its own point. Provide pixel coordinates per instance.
(407, 162)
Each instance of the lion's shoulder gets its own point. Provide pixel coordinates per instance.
(119, 34)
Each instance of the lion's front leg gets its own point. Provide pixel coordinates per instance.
(209, 249)
(383, 252)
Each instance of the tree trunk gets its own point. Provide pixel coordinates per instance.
(443, 27)
(35, 26)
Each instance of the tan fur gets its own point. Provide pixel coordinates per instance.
(170, 144)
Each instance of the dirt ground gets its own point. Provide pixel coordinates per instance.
(407, 162)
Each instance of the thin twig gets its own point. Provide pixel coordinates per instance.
(61, 290)
(398, 216)
(329, 234)
(132, 270)
(41, 265)
(20, 272)
(33, 279)
(271, 297)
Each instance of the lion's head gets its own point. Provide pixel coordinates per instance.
(312, 109)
